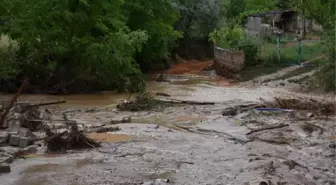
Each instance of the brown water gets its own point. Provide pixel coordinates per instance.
(178, 86)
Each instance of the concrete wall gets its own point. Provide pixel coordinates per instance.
(227, 61)
(253, 24)
(309, 24)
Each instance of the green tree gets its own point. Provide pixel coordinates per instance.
(157, 19)
(81, 41)
(197, 19)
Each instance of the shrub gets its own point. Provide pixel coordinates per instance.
(236, 39)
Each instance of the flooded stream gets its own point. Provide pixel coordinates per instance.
(215, 149)
(178, 85)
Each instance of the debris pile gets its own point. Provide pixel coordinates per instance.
(20, 121)
(143, 101)
(67, 140)
(318, 106)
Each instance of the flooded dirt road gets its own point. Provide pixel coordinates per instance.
(188, 144)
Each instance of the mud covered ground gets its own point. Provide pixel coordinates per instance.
(190, 145)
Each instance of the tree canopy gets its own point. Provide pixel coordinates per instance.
(84, 45)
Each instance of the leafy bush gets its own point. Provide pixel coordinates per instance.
(236, 39)
(227, 37)
(8, 65)
(251, 48)
(88, 44)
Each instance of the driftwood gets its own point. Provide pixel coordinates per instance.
(162, 94)
(67, 140)
(107, 129)
(123, 120)
(4, 115)
(51, 120)
(267, 128)
(47, 103)
(174, 101)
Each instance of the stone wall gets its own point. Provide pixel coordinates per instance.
(228, 63)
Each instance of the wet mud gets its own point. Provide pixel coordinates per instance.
(190, 144)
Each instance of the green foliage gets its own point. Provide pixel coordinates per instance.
(8, 67)
(197, 19)
(227, 37)
(251, 49)
(323, 12)
(95, 45)
(235, 39)
(236, 11)
(157, 19)
(283, 4)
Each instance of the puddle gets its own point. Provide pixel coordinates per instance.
(106, 137)
(193, 81)
(169, 121)
(190, 119)
(332, 137)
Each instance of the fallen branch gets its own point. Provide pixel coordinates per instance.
(123, 120)
(267, 128)
(51, 120)
(107, 129)
(229, 136)
(188, 129)
(174, 101)
(130, 154)
(162, 94)
(3, 116)
(47, 103)
(278, 142)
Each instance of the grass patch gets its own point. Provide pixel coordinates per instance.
(253, 72)
(269, 63)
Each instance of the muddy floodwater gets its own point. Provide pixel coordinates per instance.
(187, 144)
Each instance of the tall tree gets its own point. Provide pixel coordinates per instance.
(156, 18)
(74, 40)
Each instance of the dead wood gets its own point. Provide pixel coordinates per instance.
(271, 141)
(188, 129)
(267, 128)
(162, 94)
(4, 115)
(130, 154)
(123, 120)
(67, 140)
(47, 103)
(51, 120)
(107, 129)
(317, 105)
(174, 101)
